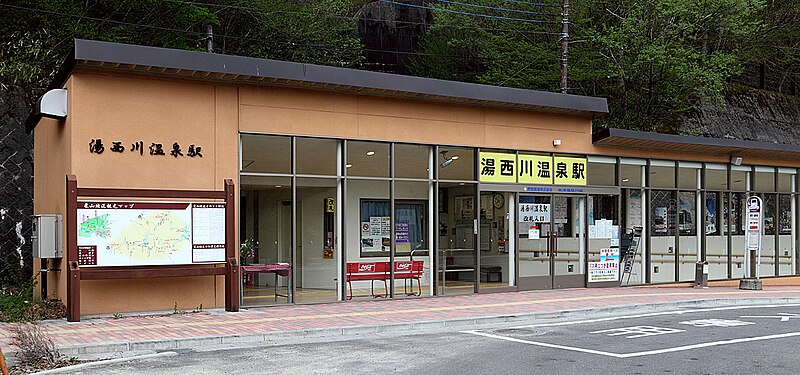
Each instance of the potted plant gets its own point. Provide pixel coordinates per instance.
(247, 251)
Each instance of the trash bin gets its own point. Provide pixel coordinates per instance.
(701, 275)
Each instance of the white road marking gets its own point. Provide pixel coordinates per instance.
(783, 316)
(547, 345)
(716, 323)
(645, 315)
(639, 331)
(637, 354)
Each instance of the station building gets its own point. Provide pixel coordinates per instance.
(488, 189)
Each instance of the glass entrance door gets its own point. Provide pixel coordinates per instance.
(496, 258)
(551, 241)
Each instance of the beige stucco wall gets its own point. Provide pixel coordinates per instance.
(129, 108)
(51, 163)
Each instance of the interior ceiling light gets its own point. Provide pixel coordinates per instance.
(370, 153)
(447, 161)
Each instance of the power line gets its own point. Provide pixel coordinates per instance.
(104, 20)
(201, 36)
(534, 4)
(468, 13)
(438, 24)
(498, 8)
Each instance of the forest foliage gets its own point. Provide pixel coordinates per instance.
(653, 59)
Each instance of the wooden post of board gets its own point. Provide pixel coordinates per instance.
(74, 272)
(231, 263)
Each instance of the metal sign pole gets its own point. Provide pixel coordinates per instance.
(753, 234)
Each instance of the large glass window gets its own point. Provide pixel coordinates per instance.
(786, 244)
(688, 175)
(315, 264)
(765, 179)
(456, 255)
(740, 177)
(734, 224)
(663, 223)
(368, 236)
(266, 154)
(317, 156)
(633, 215)
(266, 251)
(631, 172)
(689, 241)
(662, 174)
(456, 163)
(602, 209)
(412, 161)
(497, 253)
(716, 244)
(716, 176)
(768, 235)
(410, 227)
(602, 171)
(786, 180)
(368, 159)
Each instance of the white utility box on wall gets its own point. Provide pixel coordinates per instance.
(46, 237)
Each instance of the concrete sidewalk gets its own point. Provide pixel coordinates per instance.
(282, 323)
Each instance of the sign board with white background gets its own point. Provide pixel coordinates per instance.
(114, 233)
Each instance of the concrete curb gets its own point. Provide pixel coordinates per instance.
(284, 337)
(105, 362)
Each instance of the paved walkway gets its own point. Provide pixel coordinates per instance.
(370, 313)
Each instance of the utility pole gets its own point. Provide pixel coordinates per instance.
(209, 38)
(564, 44)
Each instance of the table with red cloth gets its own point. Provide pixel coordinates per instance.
(278, 269)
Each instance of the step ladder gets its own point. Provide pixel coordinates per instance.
(629, 246)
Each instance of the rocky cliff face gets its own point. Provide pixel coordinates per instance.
(16, 190)
(748, 114)
(391, 34)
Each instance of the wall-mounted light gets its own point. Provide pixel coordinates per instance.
(370, 153)
(348, 165)
(625, 180)
(736, 160)
(447, 161)
(556, 142)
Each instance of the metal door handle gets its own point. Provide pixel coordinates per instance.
(555, 244)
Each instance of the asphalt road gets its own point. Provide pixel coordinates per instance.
(726, 340)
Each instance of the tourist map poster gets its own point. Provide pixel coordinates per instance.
(114, 233)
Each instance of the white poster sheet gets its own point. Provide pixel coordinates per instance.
(607, 269)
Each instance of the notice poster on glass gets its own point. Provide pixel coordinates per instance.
(660, 220)
(607, 269)
(375, 234)
(634, 211)
(534, 213)
(113, 233)
(401, 237)
(602, 229)
(465, 207)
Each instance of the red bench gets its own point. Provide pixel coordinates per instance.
(379, 271)
(371, 271)
(409, 270)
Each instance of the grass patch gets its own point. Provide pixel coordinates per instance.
(17, 305)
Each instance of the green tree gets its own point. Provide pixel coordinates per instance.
(38, 34)
(653, 59)
(663, 56)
